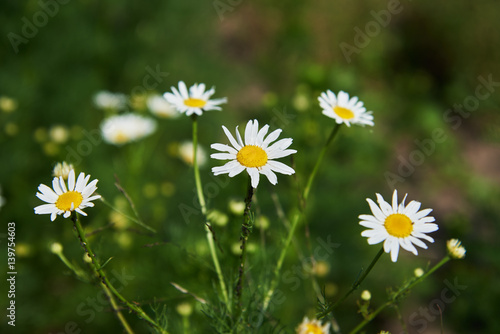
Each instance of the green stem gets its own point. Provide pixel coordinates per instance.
(201, 199)
(246, 229)
(78, 272)
(355, 285)
(395, 296)
(297, 217)
(307, 189)
(109, 289)
(197, 179)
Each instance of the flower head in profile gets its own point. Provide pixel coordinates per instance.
(455, 249)
(194, 101)
(312, 327)
(125, 128)
(397, 225)
(255, 154)
(63, 200)
(344, 109)
(62, 169)
(160, 107)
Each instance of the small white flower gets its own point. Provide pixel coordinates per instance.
(62, 169)
(254, 155)
(160, 107)
(397, 225)
(455, 249)
(108, 100)
(186, 153)
(122, 129)
(344, 109)
(313, 327)
(63, 200)
(195, 101)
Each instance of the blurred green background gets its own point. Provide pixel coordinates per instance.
(411, 63)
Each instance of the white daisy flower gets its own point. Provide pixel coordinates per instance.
(255, 155)
(397, 225)
(455, 249)
(63, 200)
(344, 109)
(108, 100)
(313, 327)
(125, 128)
(185, 151)
(195, 101)
(160, 107)
(62, 169)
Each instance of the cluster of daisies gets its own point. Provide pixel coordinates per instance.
(395, 224)
(256, 152)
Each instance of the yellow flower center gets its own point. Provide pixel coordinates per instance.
(343, 112)
(252, 156)
(313, 329)
(195, 103)
(121, 137)
(398, 225)
(65, 200)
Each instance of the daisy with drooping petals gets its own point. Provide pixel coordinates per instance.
(313, 327)
(397, 225)
(63, 200)
(125, 128)
(455, 249)
(195, 101)
(255, 155)
(344, 109)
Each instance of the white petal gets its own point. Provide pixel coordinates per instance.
(223, 156)
(260, 136)
(412, 208)
(280, 167)
(45, 208)
(270, 175)
(231, 138)
(370, 218)
(71, 180)
(272, 137)
(80, 182)
(422, 214)
(376, 239)
(394, 251)
(56, 186)
(406, 244)
(376, 210)
(224, 148)
(62, 184)
(370, 224)
(384, 206)
(254, 176)
(280, 154)
(48, 194)
(183, 90)
(248, 133)
(53, 216)
(280, 144)
(417, 242)
(425, 228)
